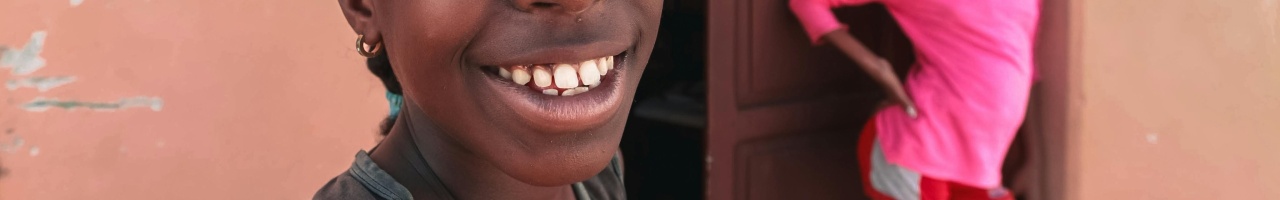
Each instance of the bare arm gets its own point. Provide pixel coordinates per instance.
(877, 67)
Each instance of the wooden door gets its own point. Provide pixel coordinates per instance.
(784, 116)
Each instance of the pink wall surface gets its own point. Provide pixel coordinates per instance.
(226, 99)
(237, 99)
(1174, 99)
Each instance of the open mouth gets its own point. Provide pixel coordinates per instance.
(562, 97)
(560, 79)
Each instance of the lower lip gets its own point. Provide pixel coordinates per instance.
(562, 114)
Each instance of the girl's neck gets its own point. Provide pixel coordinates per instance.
(464, 175)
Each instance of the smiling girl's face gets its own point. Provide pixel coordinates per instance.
(540, 89)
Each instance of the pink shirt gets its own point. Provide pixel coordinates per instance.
(971, 82)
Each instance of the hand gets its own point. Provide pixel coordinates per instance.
(877, 67)
(897, 95)
(908, 105)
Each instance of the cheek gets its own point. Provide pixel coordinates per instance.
(651, 10)
(434, 30)
(423, 40)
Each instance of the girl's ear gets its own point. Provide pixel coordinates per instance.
(359, 15)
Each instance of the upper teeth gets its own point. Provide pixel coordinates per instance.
(559, 79)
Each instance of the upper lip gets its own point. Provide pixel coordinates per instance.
(525, 39)
(561, 54)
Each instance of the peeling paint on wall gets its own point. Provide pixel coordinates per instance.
(41, 104)
(75, 3)
(13, 145)
(39, 83)
(16, 144)
(27, 59)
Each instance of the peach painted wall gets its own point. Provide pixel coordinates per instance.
(1174, 99)
(240, 99)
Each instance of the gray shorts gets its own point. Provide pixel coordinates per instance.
(901, 183)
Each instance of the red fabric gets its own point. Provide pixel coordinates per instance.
(930, 189)
(934, 189)
(865, 142)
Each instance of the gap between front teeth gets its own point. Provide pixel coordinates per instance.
(559, 79)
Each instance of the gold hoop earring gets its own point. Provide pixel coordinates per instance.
(377, 48)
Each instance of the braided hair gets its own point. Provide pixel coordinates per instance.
(380, 66)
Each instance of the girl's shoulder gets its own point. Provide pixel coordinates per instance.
(344, 187)
(363, 181)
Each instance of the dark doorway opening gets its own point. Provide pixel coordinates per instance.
(665, 139)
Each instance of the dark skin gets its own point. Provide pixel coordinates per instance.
(874, 65)
(488, 139)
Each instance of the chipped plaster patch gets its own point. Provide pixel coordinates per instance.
(75, 3)
(41, 104)
(27, 59)
(39, 83)
(14, 145)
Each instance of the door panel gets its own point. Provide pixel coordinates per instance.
(783, 116)
(781, 64)
(812, 115)
(797, 166)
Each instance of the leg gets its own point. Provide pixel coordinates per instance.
(866, 141)
(881, 179)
